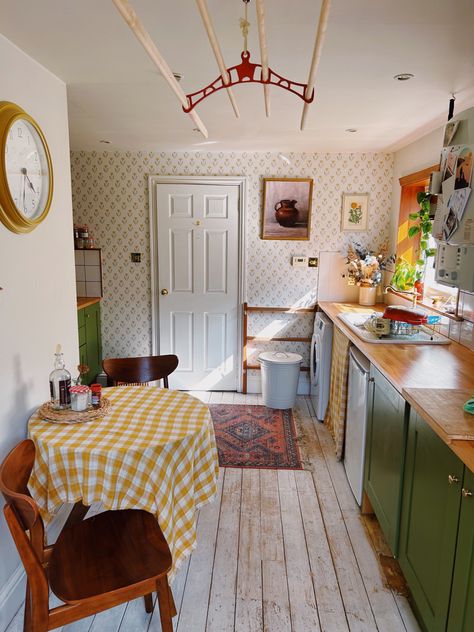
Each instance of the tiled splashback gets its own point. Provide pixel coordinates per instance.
(88, 273)
(110, 194)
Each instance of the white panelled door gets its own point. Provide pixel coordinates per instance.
(198, 287)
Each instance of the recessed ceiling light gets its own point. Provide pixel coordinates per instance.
(352, 130)
(106, 142)
(404, 76)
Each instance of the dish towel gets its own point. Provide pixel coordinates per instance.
(336, 415)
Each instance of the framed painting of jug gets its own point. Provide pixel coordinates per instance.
(286, 208)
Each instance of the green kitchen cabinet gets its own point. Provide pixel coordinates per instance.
(385, 454)
(429, 523)
(461, 611)
(90, 342)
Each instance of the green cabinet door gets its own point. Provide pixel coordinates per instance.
(385, 454)
(93, 340)
(90, 343)
(461, 611)
(429, 523)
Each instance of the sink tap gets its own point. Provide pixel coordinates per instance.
(413, 293)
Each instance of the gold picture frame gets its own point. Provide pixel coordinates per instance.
(355, 212)
(286, 208)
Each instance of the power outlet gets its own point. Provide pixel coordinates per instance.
(135, 257)
(312, 262)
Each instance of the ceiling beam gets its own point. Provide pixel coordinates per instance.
(216, 49)
(318, 45)
(131, 18)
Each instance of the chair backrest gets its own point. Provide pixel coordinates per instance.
(22, 514)
(140, 370)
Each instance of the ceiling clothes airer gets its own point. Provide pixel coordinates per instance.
(247, 72)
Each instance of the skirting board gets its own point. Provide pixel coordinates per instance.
(12, 593)
(254, 383)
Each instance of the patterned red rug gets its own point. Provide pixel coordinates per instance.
(255, 436)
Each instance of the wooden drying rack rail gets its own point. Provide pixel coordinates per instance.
(286, 310)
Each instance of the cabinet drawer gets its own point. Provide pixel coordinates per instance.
(82, 336)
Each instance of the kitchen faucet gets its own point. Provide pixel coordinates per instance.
(413, 293)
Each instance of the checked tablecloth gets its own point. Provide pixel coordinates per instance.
(154, 450)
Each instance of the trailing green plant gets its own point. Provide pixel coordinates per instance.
(423, 228)
(405, 275)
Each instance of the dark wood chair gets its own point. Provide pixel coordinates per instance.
(140, 370)
(94, 565)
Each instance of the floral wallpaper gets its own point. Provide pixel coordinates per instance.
(110, 194)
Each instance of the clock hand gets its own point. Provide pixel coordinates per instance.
(30, 184)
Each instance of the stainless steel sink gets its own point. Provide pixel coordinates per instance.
(426, 336)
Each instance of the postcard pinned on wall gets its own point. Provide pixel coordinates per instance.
(464, 168)
(449, 132)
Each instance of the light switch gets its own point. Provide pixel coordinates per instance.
(300, 262)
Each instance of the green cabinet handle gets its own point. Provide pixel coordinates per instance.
(452, 478)
(466, 493)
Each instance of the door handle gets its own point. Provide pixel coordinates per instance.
(466, 493)
(164, 291)
(452, 478)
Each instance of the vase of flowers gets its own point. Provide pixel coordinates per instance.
(365, 269)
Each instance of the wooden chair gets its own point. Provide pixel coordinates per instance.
(94, 565)
(140, 370)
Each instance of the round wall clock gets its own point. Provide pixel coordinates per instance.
(26, 172)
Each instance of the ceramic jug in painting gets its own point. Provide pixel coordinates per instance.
(286, 213)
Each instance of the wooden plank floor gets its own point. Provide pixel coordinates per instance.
(278, 551)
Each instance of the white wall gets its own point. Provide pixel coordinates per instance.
(37, 303)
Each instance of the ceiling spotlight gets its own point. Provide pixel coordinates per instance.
(106, 142)
(404, 76)
(352, 130)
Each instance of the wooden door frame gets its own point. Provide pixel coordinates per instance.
(239, 181)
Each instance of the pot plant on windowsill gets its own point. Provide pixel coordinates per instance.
(409, 276)
(365, 268)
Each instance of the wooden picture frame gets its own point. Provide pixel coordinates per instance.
(286, 208)
(355, 212)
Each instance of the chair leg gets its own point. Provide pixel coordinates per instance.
(165, 604)
(27, 615)
(174, 612)
(148, 602)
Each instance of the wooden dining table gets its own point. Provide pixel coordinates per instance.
(154, 450)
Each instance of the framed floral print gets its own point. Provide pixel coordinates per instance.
(355, 211)
(286, 208)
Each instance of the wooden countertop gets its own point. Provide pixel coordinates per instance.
(85, 302)
(445, 370)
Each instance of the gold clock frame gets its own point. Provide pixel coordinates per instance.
(10, 216)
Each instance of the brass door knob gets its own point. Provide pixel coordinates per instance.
(466, 493)
(164, 291)
(452, 478)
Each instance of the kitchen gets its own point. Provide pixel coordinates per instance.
(107, 186)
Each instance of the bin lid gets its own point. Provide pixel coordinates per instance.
(280, 357)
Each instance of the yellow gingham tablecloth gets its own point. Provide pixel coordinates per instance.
(155, 450)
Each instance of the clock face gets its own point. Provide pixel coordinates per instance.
(26, 169)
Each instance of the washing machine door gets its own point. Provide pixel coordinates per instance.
(315, 359)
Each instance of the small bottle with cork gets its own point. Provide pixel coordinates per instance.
(60, 383)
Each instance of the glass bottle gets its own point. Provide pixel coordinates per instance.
(60, 383)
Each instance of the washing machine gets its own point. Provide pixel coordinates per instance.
(320, 364)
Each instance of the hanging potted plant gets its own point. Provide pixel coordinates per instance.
(423, 228)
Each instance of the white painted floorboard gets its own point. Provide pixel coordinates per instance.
(278, 551)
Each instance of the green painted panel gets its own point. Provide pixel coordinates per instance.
(385, 454)
(93, 340)
(80, 318)
(461, 612)
(429, 522)
(82, 336)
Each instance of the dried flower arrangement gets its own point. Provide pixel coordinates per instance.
(365, 266)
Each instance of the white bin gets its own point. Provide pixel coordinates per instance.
(280, 373)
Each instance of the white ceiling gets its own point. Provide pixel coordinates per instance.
(115, 93)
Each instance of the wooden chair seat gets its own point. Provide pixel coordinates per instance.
(140, 370)
(107, 552)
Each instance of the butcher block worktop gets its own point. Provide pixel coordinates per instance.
(435, 379)
(85, 302)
